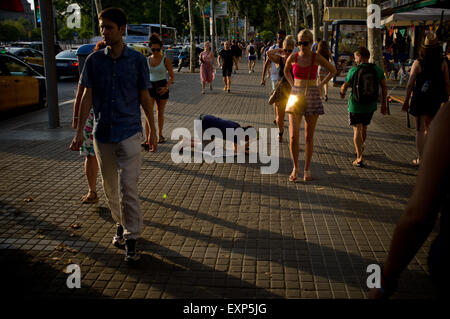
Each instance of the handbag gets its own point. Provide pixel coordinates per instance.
(282, 88)
(297, 102)
(280, 92)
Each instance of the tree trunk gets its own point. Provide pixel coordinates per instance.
(192, 32)
(304, 12)
(280, 19)
(160, 20)
(316, 19)
(204, 24)
(296, 9)
(374, 42)
(222, 22)
(98, 6)
(286, 6)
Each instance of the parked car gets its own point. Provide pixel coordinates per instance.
(20, 84)
(32, 57)
(184, 55)
(37, 45)
(82, 53)
(67, 63)
(145, 50)
(172, 53)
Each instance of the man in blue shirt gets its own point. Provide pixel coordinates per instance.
(117, 82)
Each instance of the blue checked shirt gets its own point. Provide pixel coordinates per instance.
(115, 87)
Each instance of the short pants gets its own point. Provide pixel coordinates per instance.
(227, 70)
(154, 93)
(252, 57)
(360, 118)
(87, 148)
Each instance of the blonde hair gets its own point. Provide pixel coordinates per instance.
(289, 42)
(306, 33)
(204, 45)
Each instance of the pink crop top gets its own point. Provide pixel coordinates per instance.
(301, 73)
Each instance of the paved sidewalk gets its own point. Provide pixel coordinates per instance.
(211, 230)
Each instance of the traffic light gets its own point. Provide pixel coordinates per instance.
(37, 14)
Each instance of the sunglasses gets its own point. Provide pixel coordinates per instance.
(304, 43)
(156, 50)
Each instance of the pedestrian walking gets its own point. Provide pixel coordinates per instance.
(87, 148)
(279, 57)
(304, 65)
(226, 61)
(430, 197)
(323, 50)
(429, 83)
(251, 53)
(364, 79)
(235, 48)
(274, 68)
(117, 81)
(159, 66)
(207, 62)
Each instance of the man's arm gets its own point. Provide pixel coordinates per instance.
(266, 66)
(415, 70)
(86, 104)
(420, 215)
(147, 106)
(344, 88)
(76, 106)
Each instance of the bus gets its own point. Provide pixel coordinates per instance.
(347, 36)
(141, 32)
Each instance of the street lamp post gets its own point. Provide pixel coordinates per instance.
(48, 43)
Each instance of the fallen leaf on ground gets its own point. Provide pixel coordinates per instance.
(28, 199)
(75, 226)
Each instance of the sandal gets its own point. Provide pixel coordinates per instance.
(416, 162)
(358, 163)
(145, 146)
(90, 198)
(161, 139)
(280, 136)
(293, 177)
(307, 176)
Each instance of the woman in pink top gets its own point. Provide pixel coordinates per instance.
(301, 64)
(207, 67)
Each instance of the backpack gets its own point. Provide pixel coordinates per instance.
(365, 84)
(252, 50)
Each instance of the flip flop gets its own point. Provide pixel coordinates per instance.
(358, 164)
(161, 139)
(89, 198)
(307, 176)
(293, 178)
(416, 162)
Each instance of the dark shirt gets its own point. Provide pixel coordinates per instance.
(116, 84)
(227, 57)
(209, 121)
(235, 49)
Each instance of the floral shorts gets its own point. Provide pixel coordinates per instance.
(87, 149)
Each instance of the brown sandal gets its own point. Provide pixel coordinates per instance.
(90, 198)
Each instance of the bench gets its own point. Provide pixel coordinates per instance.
(401, 100)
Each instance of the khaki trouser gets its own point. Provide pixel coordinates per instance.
(120, 163)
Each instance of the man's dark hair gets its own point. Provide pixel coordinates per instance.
(363, 52)
(251, 41)
(116, 15)
(282, 32)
